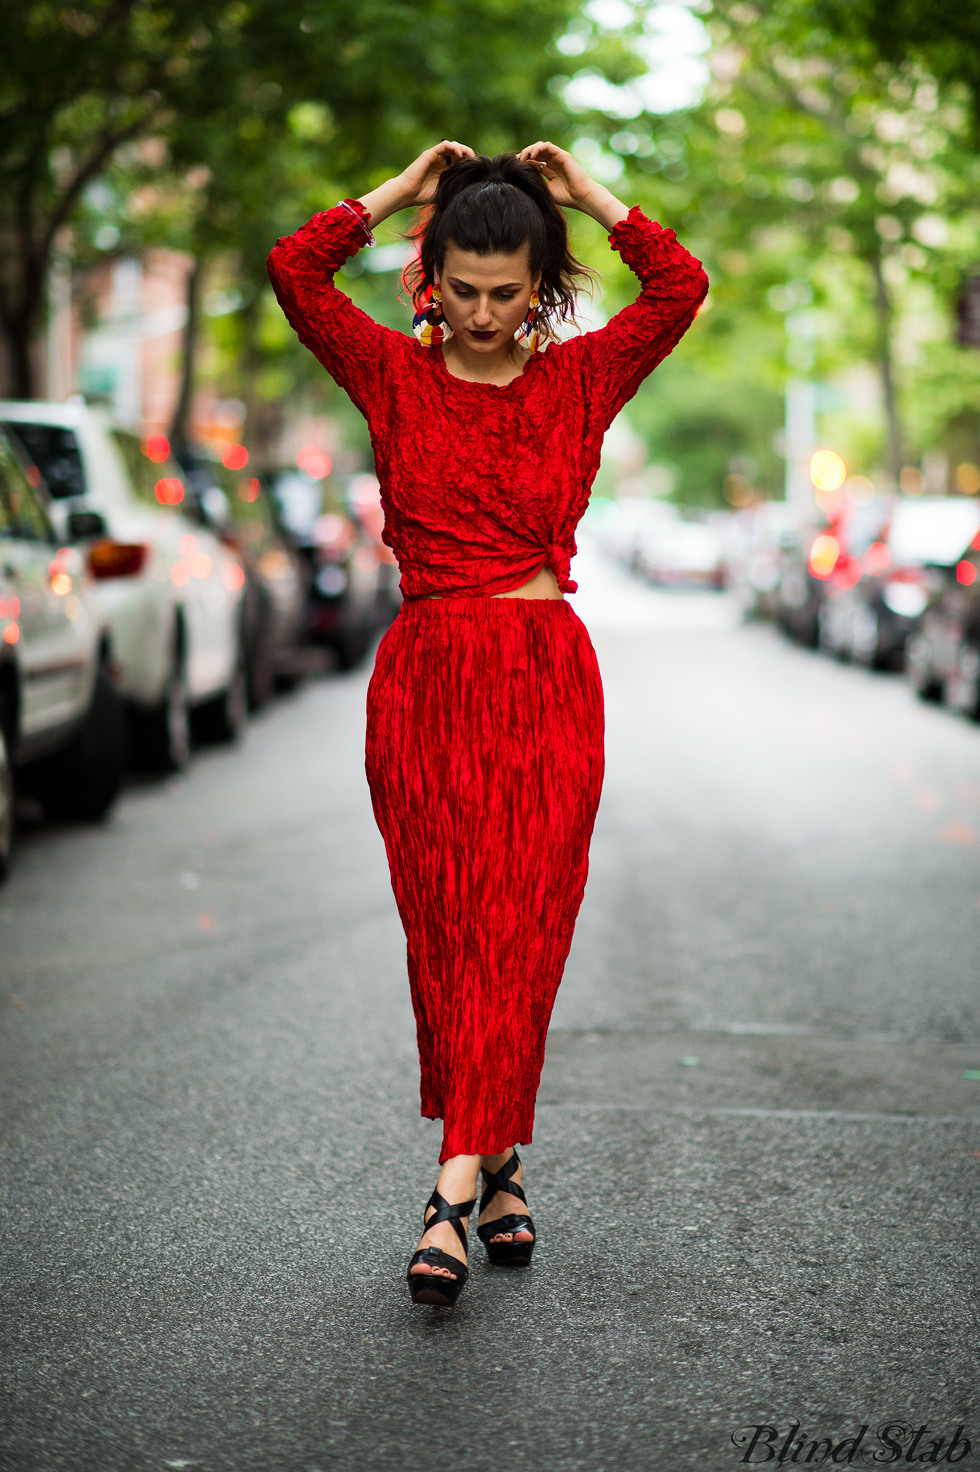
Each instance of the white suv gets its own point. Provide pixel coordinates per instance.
(61, 723)
(172, 592)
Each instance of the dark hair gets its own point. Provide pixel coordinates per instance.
(495, 206)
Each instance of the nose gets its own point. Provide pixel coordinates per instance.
(483, 316)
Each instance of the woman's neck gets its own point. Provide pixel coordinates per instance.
(500, 367)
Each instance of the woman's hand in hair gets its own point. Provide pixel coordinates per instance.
(571, 186)
(416, 185)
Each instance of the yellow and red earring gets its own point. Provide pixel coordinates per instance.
(429, 324)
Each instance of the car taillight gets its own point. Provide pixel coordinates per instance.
(111, 559)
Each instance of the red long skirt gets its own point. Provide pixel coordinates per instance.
(485, 760)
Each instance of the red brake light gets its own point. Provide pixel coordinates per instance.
(110, 559)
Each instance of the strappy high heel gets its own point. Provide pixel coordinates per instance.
(505, 1254)
(432, 1287)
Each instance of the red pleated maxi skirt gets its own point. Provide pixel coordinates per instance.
(485, 761)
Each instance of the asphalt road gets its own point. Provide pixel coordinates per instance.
(757, 1151)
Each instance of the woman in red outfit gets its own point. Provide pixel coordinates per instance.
(485, 720)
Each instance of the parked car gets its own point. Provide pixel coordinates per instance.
(943, 657)
(239, 509)
(62, 728)
(348, 593)
(821, 562)
(680, 554)
(620, 525)
(875, 599)
(754, 541)
(171, 591)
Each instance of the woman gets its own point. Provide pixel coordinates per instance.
(485, 720)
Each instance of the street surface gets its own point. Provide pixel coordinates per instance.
(756, 1159)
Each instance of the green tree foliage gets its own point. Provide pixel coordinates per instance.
(831, 196)
(225, 86)
(943, 36)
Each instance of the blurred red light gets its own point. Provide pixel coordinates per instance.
(249, 489)
(975, 544)
(847, 572)
(156, 447)
(233, 576)
(235, 457)
(11, 634)
(33, 476)
(315, 462)
(877, 558)
(966, 573)
(169, 491)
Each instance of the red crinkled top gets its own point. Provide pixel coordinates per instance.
(484, 485)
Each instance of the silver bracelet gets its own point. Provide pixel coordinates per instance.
(342, 204)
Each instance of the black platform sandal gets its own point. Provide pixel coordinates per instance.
(505, 1254)
(431, 1287)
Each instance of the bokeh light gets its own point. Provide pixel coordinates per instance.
(233, 576)
(968, 479)
(877, 558)
(235, 457)
(966, 573)
(827, 470)
(156, 447)
(169, 491)
(248, 489)
(823, 556)
(315, 462)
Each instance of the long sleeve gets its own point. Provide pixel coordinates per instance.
(618, 357)
(352, 347)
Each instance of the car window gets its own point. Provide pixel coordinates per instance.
(55, 452)
(23, 515)
(933, 530)
(158, 482)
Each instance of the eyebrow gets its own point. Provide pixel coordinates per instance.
(501, 285)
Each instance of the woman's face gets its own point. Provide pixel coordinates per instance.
(485, 298)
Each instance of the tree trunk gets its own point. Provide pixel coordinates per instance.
(182, 414)
(19, 343)
(885, 312)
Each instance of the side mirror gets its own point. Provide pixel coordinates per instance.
(85, 524)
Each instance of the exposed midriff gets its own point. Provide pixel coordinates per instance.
(544, 584)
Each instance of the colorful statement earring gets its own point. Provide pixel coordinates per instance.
(527, 333)
(428, 324)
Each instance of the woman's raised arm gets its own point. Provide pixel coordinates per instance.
(618, 357)
(353, 348)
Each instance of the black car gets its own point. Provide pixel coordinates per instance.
(350, 583)
(943, 658)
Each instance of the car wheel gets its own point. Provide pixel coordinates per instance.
(82, 781)
(6, 795)
(261, 671)
(223, 717)
(351, 648)
(160, 739)
(922, 676)
(866, 637)
(827, 641)
(965, 692)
